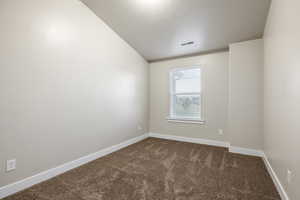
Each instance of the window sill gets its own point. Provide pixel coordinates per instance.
(186, 121)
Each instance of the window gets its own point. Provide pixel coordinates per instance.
(185, 94)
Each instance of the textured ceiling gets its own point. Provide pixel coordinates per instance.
(157, 28)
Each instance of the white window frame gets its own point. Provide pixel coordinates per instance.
(172, 117)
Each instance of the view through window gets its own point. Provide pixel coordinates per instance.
(185, 93)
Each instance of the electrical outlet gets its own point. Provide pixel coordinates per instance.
(220, 131)
(289, 176)
(11, 165)
(139, 127)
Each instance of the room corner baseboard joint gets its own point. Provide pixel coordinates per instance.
(278, 185)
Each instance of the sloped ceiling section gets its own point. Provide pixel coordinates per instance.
(158, 28)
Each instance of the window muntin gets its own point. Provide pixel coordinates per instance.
(185, 93)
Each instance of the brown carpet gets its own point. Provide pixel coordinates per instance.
(159, 169)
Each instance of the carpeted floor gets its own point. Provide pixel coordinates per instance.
(159, 169)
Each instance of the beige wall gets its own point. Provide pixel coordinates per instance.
(282, 92)
(69, 85)
(215, 88)
(245, 122)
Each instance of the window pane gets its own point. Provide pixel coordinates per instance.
(187, 81)
(186, 106)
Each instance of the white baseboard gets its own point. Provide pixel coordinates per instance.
(191, 140)
(245, 151)
(232, 149)
(43, 176)
(275, 179)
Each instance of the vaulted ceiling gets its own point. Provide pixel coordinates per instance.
(158, 29)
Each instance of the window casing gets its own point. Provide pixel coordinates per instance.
(186, 95)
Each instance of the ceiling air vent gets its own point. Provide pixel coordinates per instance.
(187, 43)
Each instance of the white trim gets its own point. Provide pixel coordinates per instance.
(186, 121)
(232, 149)
(275, 179)
(191, 140)
(172, 93)
(43, 176)
(245, 151)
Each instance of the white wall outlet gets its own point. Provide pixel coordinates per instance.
(11, 165)
(139, 127)
(289, 176)
(220, 131)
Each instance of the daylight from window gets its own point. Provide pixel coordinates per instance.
(185, 93)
